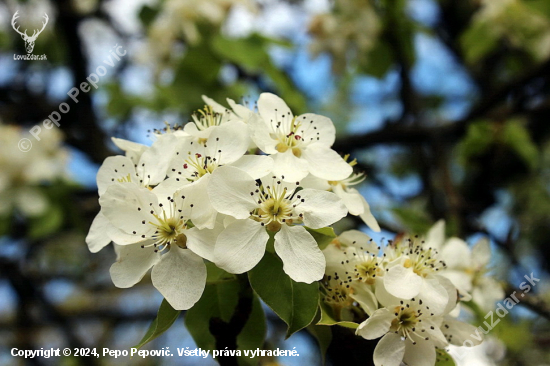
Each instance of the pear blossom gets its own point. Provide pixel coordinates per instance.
(353, 265)
(148, 171)
(412, 270)
(270, 207)
(411, 330)
(298, 144)
(156, 233)
(356, 204)
(410, 333)
(194, 163)
(467, 267)
(22, 173)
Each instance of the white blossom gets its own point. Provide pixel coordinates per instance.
(276, 207)
(160, 229)
(298, 144)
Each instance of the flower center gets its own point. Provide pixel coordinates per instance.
(405, 320)
(168, 230)
(423, 261)
(289, 139)
(201, 164)
(366, 271)
(276, 206)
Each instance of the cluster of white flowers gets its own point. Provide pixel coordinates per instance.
(352, 25)
(181, 21)
(216, 189)
(22, 173)
(410, 290)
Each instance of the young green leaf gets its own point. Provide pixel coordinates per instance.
(294, 302)
(219, 301)
(166, 316)
(328, 318)
(322, 236)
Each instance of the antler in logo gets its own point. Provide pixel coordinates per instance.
(29, 40)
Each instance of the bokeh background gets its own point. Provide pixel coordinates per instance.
(445, 104)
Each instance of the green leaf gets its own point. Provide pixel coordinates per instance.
(323, 335)
(249, 52)
(147, 14)
(294, 302)
(328, 318)
(443, 358)
(413, 218)
(479, 137)
(322, 236)
(477, 41)
(166, 316)
(216, 274)
(219, 301)
(518, 138)
(47, 223)
(379, 60)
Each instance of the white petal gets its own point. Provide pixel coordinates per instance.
(352, 200)
(256, 166)
(376, 325)
(311, 181)
(133, 150)
(289, 166)
(191, 129)
(228, 142)
(302, 259)
(481, 253)
(431, 326)
(456, 253)
(116, 169)
(97, 237)
(196, 204)
(320, 208)
(132, 264)
(153, 164)
(216, 107)
(382, 295)
(240, 110)
(460, 279)
(202, 242)
(420, 354)
(402, 282)
(241, 246)
(366, 299)
(389, 351)
(180, 276)
(259, 132)
(452, 293)
(368, 217)
(436, 235)
(229, 192)
(462, 332)
(358, 239)
(126, 206)
(273, 109)
(317, 129)
(434, 295)
(325, 163)
(168, 187)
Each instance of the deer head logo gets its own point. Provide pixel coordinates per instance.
(29, 40)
